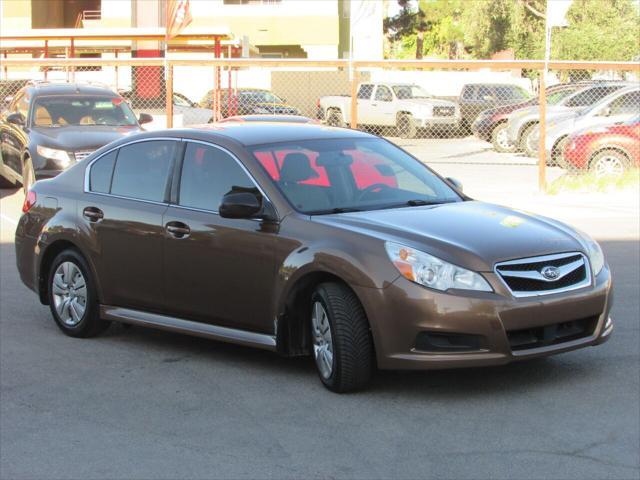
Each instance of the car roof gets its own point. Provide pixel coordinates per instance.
(259, 133)
(45, 88)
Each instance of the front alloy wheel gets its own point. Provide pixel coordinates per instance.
(322, 340)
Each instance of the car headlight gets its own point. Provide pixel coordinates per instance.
(60, 156)
(594, 252)
(432, 272)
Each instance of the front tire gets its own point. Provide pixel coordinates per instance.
(609, 163)
(341, 340)
(500, 139)
(406, 126)
(72, 296)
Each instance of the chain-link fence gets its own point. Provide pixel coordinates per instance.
(472, 119)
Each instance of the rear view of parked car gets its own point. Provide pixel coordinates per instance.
(50, 126)
(607, 150)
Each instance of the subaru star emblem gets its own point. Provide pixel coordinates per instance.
(550, 272)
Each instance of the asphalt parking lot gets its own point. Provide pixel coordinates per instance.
(138, 403)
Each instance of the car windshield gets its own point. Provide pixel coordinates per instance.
(590, 96)
(341, 175)
(63, 110)
(259, 97)
(410, 91)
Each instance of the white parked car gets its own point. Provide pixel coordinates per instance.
(404, 106)
(564, 103)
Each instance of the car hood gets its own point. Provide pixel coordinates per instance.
(473, 235)
(80, 137)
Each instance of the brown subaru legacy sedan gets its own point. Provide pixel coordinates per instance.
(307, 240)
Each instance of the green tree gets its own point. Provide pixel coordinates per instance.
(408, 22)
(598, 30)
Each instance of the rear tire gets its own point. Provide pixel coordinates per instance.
(526, 145)
(334, 118)
(500, 139)
(72, 296)
(342, 344)
(406, 127)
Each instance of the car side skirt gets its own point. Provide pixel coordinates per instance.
(188, 327)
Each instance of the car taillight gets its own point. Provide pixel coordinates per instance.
(318, 103)
(29, 201)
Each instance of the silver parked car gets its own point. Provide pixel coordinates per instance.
(564, 103)
(618, 107)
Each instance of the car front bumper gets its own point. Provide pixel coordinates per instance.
(429, 122)
(402, 311)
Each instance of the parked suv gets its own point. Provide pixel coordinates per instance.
(304, 239)
(50, 126)
(477, 97)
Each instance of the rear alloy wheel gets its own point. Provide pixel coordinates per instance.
(528, 143)
(72, 296)
(500, 139)
(406, 126)
(334, 119)
(342, 345)
(609, 163)
(28, 175)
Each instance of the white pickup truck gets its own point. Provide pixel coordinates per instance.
(405, 106)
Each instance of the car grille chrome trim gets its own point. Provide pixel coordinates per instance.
(81, 155)
(572, 272)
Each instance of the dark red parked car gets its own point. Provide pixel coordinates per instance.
(607, 150)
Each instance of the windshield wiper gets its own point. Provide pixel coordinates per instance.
(419, 202)
(335, 210)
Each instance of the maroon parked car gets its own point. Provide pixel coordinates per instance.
(606, 150)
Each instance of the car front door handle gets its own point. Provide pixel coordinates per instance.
(93, 214)
(178, 229)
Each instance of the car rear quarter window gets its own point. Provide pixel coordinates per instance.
(101, 173)
(208, 173)
(142, 170)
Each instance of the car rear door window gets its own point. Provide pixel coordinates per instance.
(208, 173)
(628, 103)
(101, 173)
(142, 170)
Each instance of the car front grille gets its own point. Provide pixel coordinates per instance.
(553, 334)
(546, 274)
(444, 111)
(82, 154)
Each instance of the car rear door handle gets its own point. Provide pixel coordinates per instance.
(93, 214)
(178, 229)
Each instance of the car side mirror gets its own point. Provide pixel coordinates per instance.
(457, 184)
(145, 118)
(16, 118)
(238, 204)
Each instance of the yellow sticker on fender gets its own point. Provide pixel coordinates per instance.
(512, 221)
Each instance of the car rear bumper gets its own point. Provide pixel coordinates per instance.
(493, 328)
